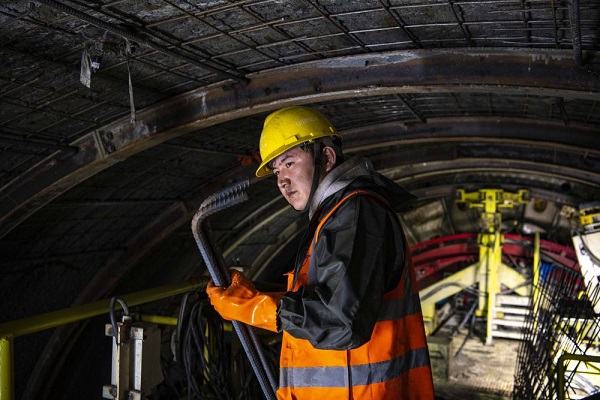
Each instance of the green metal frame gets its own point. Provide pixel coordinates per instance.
(37, 323)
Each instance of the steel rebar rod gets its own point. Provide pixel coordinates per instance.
(221, 277)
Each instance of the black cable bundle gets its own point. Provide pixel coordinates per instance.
(249, 386)
(204, 354)
(203, 350)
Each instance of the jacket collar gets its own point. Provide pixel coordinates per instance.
(339, 178)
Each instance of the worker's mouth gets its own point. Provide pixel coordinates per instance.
(293, 198)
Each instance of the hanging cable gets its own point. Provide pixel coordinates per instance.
(180, 327)
(113, 320)
(204, 355)
(128, 53)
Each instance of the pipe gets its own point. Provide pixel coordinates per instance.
(6, 371)
(159, 319)
(471, 326)
(138, 38)
(53, 319)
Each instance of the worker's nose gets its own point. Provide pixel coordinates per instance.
(282, 180)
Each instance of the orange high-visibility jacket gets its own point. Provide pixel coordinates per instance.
(391, 363)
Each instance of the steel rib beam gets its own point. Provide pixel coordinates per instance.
(546, 73)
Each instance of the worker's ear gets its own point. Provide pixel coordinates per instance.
(329, 158)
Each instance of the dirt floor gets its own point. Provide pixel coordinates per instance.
(478, 372)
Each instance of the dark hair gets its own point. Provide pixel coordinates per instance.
(335, 142)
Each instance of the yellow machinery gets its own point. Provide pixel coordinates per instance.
(490, 243)
(489, 272)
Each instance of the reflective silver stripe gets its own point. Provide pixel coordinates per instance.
(364, 374)
(399, 308)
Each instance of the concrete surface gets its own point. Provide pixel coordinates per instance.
(479, 372)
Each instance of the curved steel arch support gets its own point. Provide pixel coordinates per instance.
(548, 73)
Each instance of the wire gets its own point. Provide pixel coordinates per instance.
(205, 356)
(113, 320)
(180, 327)
(249, 386)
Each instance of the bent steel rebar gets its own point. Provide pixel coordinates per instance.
(220, 275)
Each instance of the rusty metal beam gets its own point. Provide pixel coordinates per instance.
(575, 22)
(508, 71)
(511, 130)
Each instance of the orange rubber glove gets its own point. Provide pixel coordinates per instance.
(242, 302)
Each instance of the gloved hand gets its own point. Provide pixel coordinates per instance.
(242, 302)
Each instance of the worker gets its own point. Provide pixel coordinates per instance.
(351, 317)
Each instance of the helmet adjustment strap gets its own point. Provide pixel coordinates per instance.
(317, 150)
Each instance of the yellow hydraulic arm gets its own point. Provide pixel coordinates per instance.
(490, 241)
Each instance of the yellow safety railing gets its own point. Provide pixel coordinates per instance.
(25, 326)
(535, 287)
(561, 369)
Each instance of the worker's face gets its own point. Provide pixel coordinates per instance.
(294, 170)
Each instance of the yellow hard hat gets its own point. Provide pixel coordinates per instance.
(289, 127)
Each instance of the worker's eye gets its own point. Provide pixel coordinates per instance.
(276, 173)
(289, 164)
